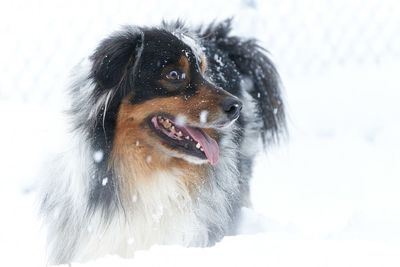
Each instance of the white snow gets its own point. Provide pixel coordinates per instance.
(203, 116)
(180, 120)
(98, 156)
(328, 195)
(218, 59)
(261, 250)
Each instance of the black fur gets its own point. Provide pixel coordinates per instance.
(247, 59)
(128, 63)
(115, 66)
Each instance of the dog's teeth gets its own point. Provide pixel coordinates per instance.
(180, 134)
(201, 149)
(173, 129)
(166, 124)
(187, 137)
(198, 146)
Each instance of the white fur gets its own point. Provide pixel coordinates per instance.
(191, 40)
(252, 139)
(160, 211)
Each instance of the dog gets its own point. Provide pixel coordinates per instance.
(166, 122)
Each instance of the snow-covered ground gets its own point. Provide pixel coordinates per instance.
(329, 195)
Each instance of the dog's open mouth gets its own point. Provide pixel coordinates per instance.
(191, 140)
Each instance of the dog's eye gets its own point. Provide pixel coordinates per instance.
(175, 75)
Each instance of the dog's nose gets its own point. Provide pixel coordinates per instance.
(232, 107)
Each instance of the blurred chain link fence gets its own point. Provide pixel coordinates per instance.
(314, 36)
(42, 40)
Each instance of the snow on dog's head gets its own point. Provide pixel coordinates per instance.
(143, 80)
(160, 149)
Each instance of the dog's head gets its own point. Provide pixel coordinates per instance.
(158, 96)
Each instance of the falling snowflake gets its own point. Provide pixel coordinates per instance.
(180, 120)
(203, 116)
(98, 156)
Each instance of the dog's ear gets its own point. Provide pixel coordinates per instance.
(253, 63)
(115, 56)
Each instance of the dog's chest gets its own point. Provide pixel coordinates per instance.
(159, 211)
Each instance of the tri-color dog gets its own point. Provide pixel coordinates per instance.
(166, 124)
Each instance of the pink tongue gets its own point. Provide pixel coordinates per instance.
(209, 145)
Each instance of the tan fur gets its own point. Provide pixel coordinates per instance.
(138, 152)
(184, 64)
